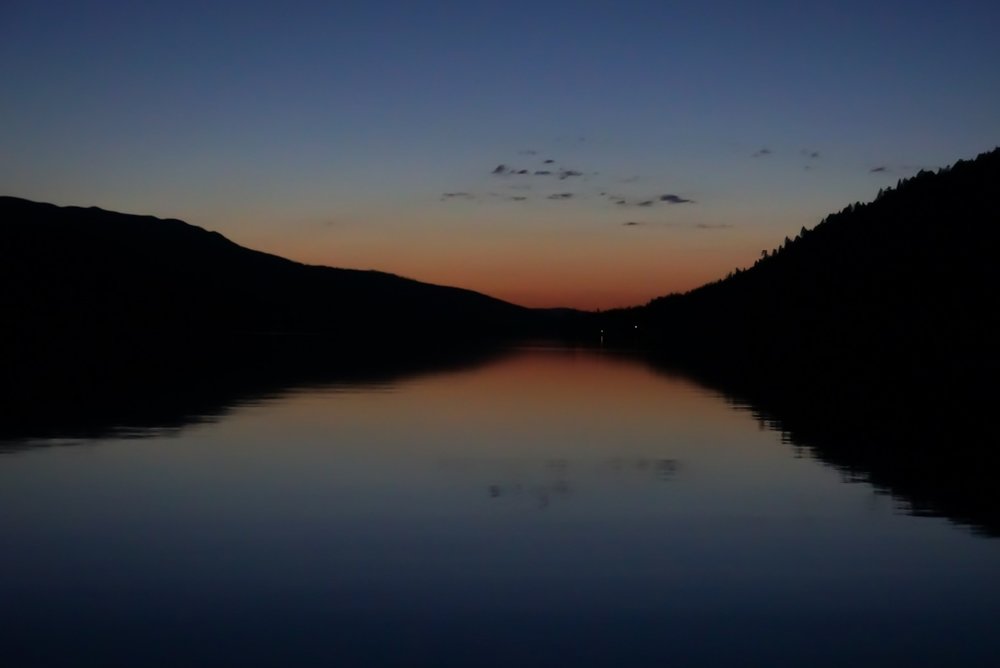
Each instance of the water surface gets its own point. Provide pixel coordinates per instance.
(551, 507)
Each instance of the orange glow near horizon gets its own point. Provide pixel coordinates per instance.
(577, 282)
(601, 269)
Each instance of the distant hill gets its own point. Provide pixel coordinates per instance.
(908, 283)
(70, 272)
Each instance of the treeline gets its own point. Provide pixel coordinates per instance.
(907, 284)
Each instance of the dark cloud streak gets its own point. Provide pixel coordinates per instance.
(675, 199)
(648, 202)
(693, 226)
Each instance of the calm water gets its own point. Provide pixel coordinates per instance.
(551, 508)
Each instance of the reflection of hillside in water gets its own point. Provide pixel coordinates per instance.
(155, 389)
(932, 450)
(946, 471)
(931, 446)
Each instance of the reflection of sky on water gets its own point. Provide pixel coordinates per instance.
(554, 506)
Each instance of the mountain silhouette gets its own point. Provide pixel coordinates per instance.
(904, 284)
(78, 272)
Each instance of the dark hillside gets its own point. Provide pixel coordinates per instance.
(905, 283)
(70, 272)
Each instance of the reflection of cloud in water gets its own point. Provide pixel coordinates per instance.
(540, 495)
(661, 469)
(542, 482)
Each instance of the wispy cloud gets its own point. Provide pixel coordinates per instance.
(675, 199)
(673, 225)
(878, 170)
(669, 198)
(811, 154)
(504, 169)
(531, 177)
(761, 153)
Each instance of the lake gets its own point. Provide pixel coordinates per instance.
(547, 506)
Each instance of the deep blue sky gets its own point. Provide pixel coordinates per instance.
(331, 132)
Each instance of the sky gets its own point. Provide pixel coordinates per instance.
(585, 154)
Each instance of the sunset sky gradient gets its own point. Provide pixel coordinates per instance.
(683, 138)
